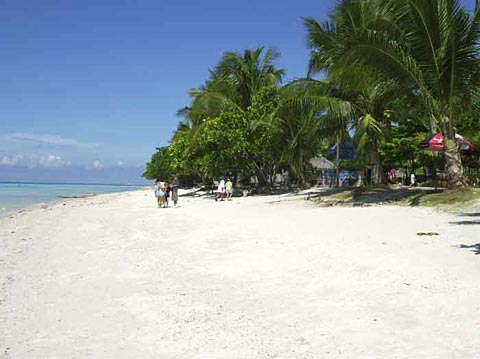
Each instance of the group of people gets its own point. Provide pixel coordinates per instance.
(224, 190)
(166, 190)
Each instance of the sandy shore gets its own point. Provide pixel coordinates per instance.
(114, 277)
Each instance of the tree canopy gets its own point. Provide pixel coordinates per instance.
(392, 72)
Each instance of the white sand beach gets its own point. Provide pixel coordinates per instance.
(115, 277)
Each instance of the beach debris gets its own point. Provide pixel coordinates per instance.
(428, 234)
(86, 195)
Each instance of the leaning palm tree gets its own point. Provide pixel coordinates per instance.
(430, 47)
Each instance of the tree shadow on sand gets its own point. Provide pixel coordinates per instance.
(376, 195)
(470, 214)
(468, 222)
(474, 247)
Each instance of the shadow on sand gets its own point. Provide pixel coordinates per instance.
(375, 195)
(474, 247)
(468, 222)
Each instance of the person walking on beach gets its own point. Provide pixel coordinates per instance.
(160, 193)
(229, 189)
(174, 187)
(220, 190)
(168, 189)
(412, 179)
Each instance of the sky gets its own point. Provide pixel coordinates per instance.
(90, 88)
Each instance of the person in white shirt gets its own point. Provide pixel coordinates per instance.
(160, 193)
(220, 190)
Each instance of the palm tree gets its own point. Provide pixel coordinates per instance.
(208, 101)
(247, 74)
(368, 96)
(371, 95)
(233, 86)
(429, 47)
(299, 121)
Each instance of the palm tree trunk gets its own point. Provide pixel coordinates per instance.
(454, 167)
(377, 168)
(337, 163)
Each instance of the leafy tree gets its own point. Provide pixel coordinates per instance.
(264, 148)
(221, 125)
(221, 145)
(160, 166)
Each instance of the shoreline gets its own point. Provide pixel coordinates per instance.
(5, 212)
(114, 276)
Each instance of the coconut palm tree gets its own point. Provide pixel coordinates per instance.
(233, 87)
(429, 47)
(368, 96)
(247, 74)
(299, 121)
(233, 84)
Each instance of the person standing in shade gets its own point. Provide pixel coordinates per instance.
(412, 179)
(229, 189)
(220, 190)
(174, 188)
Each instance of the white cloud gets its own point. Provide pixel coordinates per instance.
(34, 161)
(10, 160)
(97, 164)
(46, 139)
(120, 164)
(51, 161)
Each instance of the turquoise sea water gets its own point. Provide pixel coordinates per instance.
(14, 196)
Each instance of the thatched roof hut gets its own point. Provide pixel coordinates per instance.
(321, 163)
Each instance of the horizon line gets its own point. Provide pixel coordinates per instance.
(75, 183)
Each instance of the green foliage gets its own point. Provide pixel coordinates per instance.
(400, 146)
(221, 145)
(182, 150)
(248, 73)
(429, 49)
(397, 71)
(236, 141)
(160, 166)
(451, 198)
(264, 151)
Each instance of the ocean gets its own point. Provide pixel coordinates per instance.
(14, 196)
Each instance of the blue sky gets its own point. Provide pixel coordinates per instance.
(92, 87)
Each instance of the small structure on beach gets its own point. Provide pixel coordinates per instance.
(321, 163)
(321, 171)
